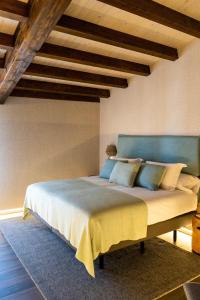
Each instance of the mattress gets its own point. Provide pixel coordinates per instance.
(162, 205)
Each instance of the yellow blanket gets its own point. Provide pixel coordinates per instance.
(91, 218)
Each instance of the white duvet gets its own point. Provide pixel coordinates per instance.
(162, 205)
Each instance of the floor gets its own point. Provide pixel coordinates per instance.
(15, 283)
(184, 242)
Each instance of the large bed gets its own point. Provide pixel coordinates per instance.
(96, 216)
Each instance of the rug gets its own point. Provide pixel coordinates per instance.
(127, 274)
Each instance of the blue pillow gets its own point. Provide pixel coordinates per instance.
(150, 176)
(107, 168)
(125, 173)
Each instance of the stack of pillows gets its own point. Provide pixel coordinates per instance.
(150, 175)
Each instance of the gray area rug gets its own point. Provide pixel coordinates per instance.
(127, 275)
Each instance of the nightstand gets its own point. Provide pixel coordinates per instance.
(196, 234)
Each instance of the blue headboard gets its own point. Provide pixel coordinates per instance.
(169, 149)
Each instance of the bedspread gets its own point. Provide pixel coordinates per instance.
(91, 217)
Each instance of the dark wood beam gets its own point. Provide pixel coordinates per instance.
(44, 14)
(102, 34)
(159, 13)
(72, 75)
(91, 59)
(2, 63)
(13, 9)
(7, 41)
(53, 96)
(81, 57)
(60, 88)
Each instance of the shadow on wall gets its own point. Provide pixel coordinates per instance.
(33, 152)
(79, 160)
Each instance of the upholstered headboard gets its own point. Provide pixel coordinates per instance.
(169, 149)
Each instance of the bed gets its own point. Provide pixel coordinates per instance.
(96, 216)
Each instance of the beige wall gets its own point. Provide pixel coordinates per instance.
(42, 140)
(166, 102)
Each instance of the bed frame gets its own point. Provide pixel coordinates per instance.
(152, 231)
(169, 149)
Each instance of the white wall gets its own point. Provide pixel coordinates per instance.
(43, 140)
(166, 102)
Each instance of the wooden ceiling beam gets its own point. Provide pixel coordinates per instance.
(77, 27)
(2, 63)
(53, 96)
(60, 88)
(82, 57)
(158, 13)
(44, 14)
(148, 9)
(13, 9)
(7, 41)
(91, 59)
(77, 76)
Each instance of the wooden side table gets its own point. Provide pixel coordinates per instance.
(196, 234)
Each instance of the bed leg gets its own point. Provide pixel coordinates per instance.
(142, 249)
(101, 262)
(174, 236)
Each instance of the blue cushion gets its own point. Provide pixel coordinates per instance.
(150, 176)
(125, 173)
(107, 168)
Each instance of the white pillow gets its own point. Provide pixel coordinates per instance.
(126, 159)
(188, 183)
(171, 176)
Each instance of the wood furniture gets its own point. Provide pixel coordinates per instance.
(196, 234)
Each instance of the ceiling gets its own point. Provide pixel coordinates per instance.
(74, 63)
